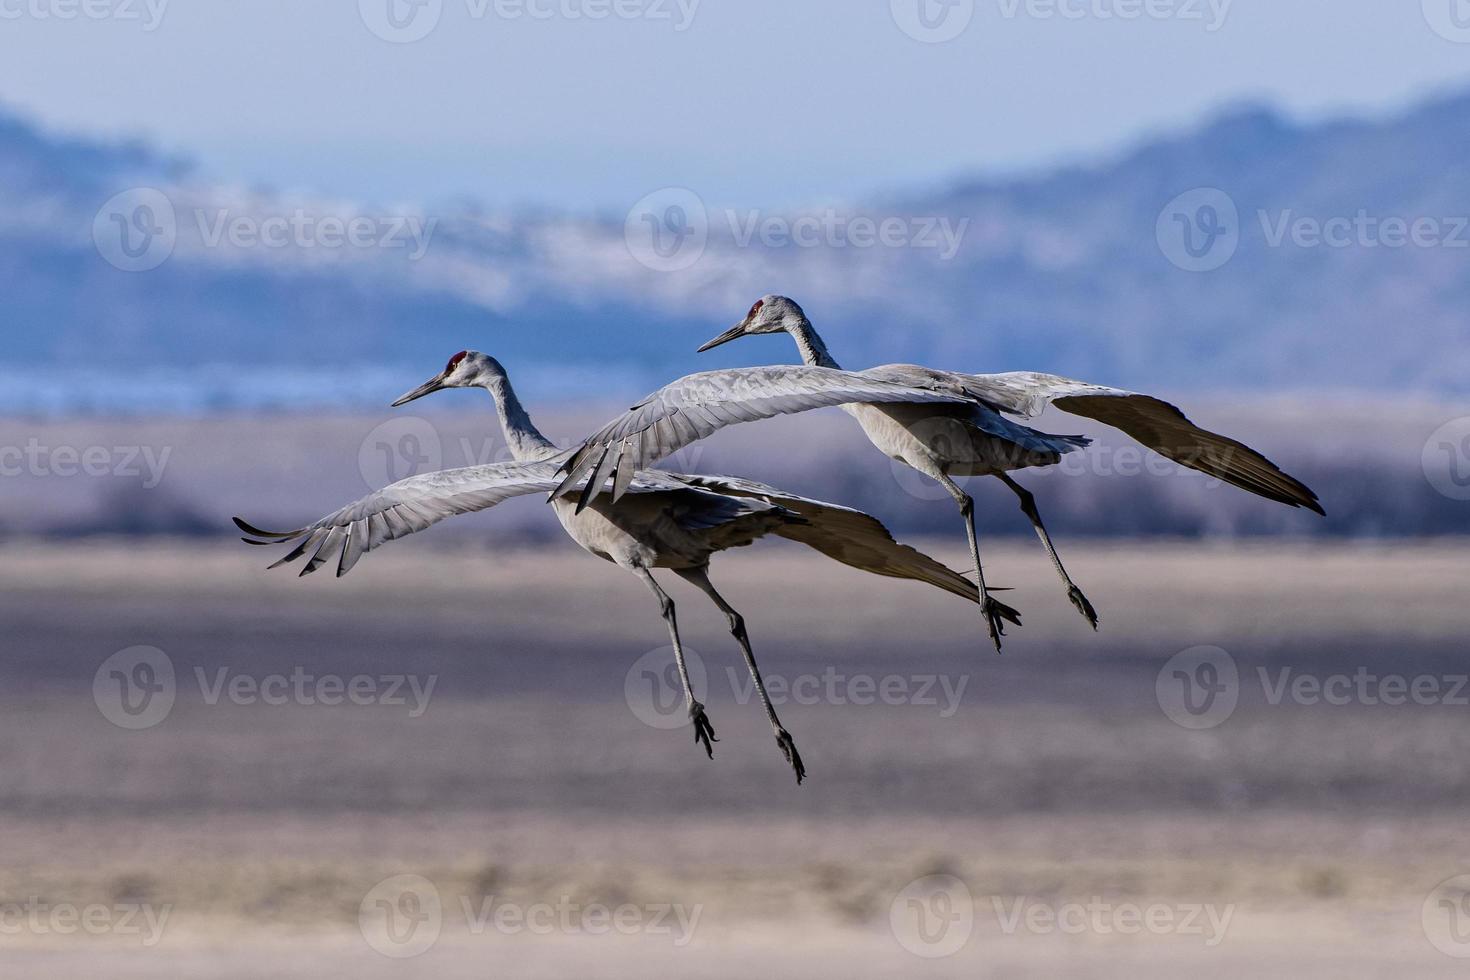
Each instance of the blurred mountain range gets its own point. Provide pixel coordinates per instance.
(1187, 262)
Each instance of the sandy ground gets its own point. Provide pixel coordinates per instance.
(1028, 815)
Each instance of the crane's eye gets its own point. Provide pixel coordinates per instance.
(755, 309)
(454, 361)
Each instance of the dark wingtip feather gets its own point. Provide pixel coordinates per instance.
(257, 532)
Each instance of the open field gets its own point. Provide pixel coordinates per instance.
(537, 777)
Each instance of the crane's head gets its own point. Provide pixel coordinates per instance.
(467, 369)
(770, 314)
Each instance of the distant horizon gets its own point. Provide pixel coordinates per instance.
(1018, 88)
(198, 168)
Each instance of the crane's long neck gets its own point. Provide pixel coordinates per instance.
(813, 351)
(527, 444)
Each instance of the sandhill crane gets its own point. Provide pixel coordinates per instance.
(667, 520)
(968, 436)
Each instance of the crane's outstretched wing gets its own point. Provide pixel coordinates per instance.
(405, 507)
(1154, 422)
(693, 407)
(849, 536)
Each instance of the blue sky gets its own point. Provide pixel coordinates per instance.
(766, 102)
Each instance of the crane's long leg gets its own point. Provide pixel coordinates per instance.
(1028, 507)
(700, 578)
(993, 611)
(704, 732)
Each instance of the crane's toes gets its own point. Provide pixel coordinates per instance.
(1083, 606)
(996, 615)
(993, 606)
(788, 749)
(704, 732)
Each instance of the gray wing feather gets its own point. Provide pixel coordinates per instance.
(1152, 421)
(406, 507)
(846, 535)
(694, 407)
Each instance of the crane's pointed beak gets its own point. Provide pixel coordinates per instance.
(427, 388)
(733, 333)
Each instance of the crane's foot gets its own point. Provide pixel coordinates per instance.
(788, 749)
(704, 732)
(997, 614)
(1083, 606)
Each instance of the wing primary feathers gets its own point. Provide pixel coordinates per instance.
(624, 477)
(257, 532)
(593, 488)
(301, 548)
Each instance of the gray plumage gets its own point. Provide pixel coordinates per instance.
(957, 425)
(659, 520)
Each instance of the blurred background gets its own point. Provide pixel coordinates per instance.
(234, 233)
